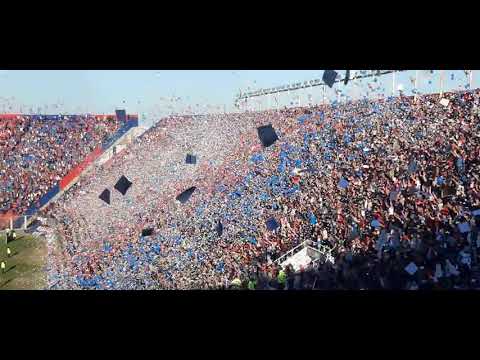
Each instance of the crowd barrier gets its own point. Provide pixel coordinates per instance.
(6, 218)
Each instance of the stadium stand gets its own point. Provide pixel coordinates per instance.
(390, 186)
(41, 154)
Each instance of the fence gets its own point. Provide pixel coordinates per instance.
(321, 252)
(291, 252)
(324, 252)
(16, 222)
(6, 219)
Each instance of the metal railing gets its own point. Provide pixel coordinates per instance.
(291, 252)
(17, 222)
(308, 84)
(323, 250)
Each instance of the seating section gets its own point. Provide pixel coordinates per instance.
(36, 152)
(391, 185)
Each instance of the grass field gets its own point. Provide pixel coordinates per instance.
(25, 267)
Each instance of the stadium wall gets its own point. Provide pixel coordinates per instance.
(76, 171)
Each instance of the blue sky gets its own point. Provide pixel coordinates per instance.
(147, 91)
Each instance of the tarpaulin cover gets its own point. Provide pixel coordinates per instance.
(185, 196)
(147, 232)
(267, 135)
(191, 159)
(122, 185)
(105, 196)
(329, 77)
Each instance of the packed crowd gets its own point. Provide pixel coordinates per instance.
(36, 153)
(390, 185)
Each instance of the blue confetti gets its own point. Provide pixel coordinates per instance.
(343, 183)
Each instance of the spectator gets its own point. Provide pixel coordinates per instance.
(35, 153)
(390, 186)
